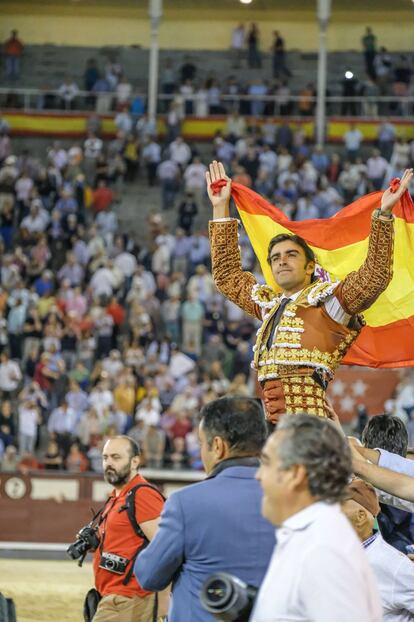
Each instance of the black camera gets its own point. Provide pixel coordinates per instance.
(113, 563)
(87, 540)
(228, 598)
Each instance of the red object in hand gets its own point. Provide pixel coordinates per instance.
(395, 184)
(216, 186)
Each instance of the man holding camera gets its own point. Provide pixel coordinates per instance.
(214, 525)
(120, 539)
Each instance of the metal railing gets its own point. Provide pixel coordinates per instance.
(50, 100)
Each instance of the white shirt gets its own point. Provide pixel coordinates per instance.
(237, 38)
(180, 153)
(180, 365)
(23, 188)
(397, 463)
(28, 418)
(352, 139)
(101, 400)
(92, 147)
(126, 262)
(68, 91)
(168, 169)
(59, 158)
(36, 224)
(152, 153)
(376, 167)
(102, 282)
(395, 579)
(195, 176)
(10, 376)
(268, 160)
(123, 92)
(318, 572)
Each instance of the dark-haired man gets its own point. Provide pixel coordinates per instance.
(318, 571)
(214, 525)
(123, 598)
(308, 327)
(390, 435)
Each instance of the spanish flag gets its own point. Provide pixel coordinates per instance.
(340, 244)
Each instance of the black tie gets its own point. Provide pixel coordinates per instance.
(275, 321)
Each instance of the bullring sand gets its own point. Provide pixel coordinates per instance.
(46, 591)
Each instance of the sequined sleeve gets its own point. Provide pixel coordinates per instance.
(228, 274)
(360, 289)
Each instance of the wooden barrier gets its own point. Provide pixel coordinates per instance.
(45, 507)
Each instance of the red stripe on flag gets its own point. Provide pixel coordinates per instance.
(391, 345)
(328, 233)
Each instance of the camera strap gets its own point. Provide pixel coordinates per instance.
(101, 517)
(130, 509)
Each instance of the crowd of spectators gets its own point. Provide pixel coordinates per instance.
(98, 335)
(277, 161)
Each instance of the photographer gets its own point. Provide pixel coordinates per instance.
(123, 598)
(214, 525)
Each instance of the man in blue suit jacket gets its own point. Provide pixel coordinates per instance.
(214, 525)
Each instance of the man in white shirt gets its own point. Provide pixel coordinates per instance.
(318, 571)
(237, 45)
(10, 375)
(68, 91)
(180, 152)
(151, 154)
(29, 419)
(103, 282)
(393, 570)
(126, 262)
(36, 221)
(352, 139)
(376, 168)
(195, 179)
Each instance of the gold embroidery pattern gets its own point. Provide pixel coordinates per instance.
(303, 395)
(227, 270)
(287, 351)
(360, 289)
(264, 296)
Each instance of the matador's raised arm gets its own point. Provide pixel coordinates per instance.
(360, 289)
(227, 271)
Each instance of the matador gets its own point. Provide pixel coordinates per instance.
(306, 328)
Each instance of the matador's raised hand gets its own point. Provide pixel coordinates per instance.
(221, 197)
(390, 198)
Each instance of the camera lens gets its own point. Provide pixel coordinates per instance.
(218, 592)
(227, 598)
(76, 550)
(110, 564)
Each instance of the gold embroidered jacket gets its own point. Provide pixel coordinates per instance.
(307, 338)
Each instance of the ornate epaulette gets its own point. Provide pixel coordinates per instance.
(320, 292)
(264, 296)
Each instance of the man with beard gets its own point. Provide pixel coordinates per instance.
(123, 599)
